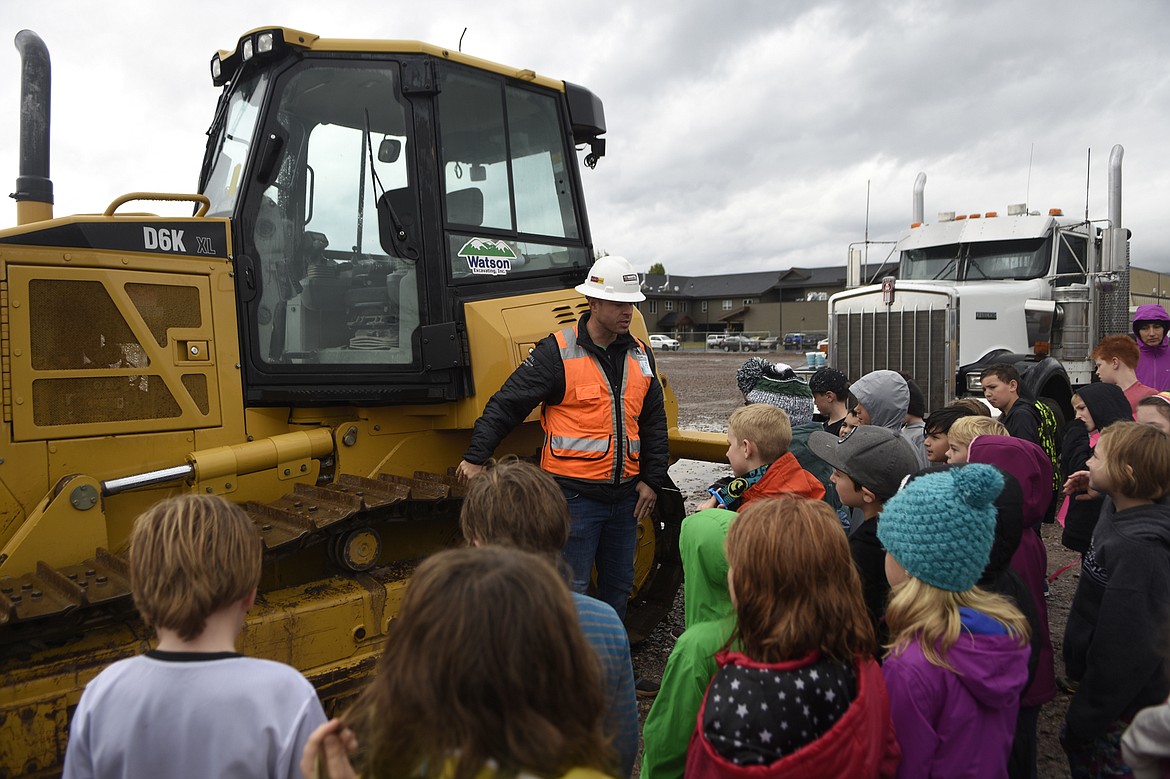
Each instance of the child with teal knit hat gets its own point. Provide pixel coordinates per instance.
(958, 655)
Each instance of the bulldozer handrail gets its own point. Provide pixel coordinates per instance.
(179, 197)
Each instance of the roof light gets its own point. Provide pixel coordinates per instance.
(991, 214)
(1056, 212)
(248, 50)
(915, 224)
(974, 216)
(216, 68)
(264, 42)
(960, 217)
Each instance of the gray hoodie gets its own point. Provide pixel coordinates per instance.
(885, 396)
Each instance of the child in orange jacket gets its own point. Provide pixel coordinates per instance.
(758, 437)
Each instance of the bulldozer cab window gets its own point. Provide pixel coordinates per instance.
(331, 292)
(233, 141)
(509, 206)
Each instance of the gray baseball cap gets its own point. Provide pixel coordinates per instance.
(875, 457)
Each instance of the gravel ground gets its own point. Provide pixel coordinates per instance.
(704, 383)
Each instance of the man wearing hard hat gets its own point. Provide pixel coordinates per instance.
(604, 425)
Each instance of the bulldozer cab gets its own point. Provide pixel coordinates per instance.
(371, 194)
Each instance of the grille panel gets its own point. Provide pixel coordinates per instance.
(912, 340)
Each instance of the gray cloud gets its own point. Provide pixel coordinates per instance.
(742, 134)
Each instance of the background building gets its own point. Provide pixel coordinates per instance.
(772, 303)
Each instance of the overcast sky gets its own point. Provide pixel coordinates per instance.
(741, 134)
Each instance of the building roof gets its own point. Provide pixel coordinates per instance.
(732, 285)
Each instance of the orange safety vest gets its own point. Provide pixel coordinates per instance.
(586, 436)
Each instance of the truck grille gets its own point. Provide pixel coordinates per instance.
(916, 341)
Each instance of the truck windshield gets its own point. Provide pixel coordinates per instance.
(235, 125)
(1026, 258)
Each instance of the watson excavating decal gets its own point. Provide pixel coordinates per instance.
(487, 257)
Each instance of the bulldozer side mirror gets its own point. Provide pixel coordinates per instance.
(389, 149)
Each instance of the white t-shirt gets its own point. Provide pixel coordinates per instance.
(192, 715)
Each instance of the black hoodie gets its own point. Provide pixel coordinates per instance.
(1106, 404)
(1116, 634)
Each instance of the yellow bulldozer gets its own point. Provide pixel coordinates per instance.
(382, 231)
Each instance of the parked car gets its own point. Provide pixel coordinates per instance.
(769, 343)
(715, 340)
(663, 342)
(794, 342)
(739, 343)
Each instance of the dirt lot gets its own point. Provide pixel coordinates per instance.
(704, 383)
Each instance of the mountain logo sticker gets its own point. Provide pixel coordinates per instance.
(486, 257)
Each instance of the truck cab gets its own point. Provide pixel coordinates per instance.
(1036, 290)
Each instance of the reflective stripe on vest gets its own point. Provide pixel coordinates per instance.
(586, 438)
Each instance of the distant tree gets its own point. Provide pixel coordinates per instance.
(657, 268)
(599, 253)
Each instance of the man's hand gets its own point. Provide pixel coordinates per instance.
(327, 751)
(709, 503)
(646, 500)
(468, 471)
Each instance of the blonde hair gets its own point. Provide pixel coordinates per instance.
(485, 661)
(516, 504)
(765, 425)
(1136, 459)
(191, 556)
(796, 587)
(966, 429)
(930, 615)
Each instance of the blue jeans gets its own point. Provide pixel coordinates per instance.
(605, 534)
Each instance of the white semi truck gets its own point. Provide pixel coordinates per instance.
(1034, 290)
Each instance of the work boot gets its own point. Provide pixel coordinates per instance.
(646, 688)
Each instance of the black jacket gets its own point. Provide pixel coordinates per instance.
(1115, 637)
(541, 379)
(1106, 404)
(869, 556)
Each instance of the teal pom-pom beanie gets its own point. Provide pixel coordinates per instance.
(941, 525)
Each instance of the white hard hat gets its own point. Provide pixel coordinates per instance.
(612, 278)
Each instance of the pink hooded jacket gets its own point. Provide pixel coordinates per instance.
(1032, 468)
(1153, 368)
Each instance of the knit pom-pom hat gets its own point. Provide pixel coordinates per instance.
(761, 381)
(941, 525)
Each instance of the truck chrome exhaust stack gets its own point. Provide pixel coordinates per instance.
(919, 204)
(1115, 157)
(34, 189)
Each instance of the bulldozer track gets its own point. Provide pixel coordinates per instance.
(52, 604)
(55, 602)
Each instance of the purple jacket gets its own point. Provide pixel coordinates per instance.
(1033, 470)
(958, 725)
(1153, 368)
